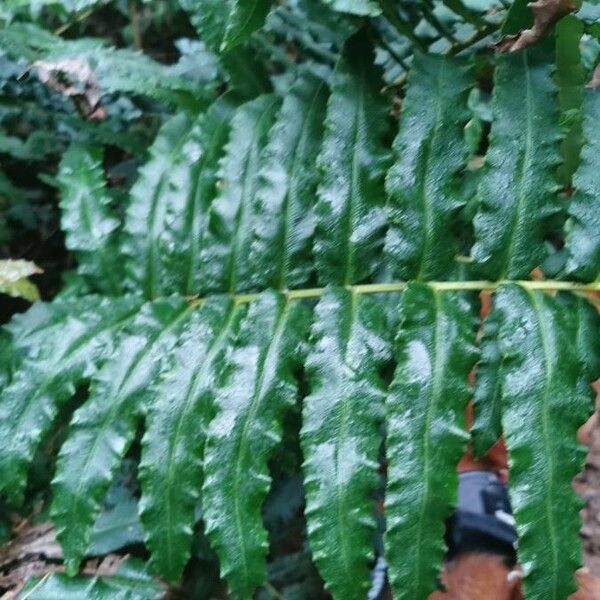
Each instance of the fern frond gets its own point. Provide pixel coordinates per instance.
(89, 224)
(245, 72)
(256, 387)
(224, 263)
(68, 354)
(170, 469)
(164, 179)
(245, 17)
(353, 161)
(130, 582)
(539, 371)
(113, 70)
(583, 223)
(422, 184)
(518, 192)
(341, 436)
(435, 351)
(286, 189)
(166, 219)
(102, 430)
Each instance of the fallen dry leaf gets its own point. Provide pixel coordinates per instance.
(546, 13)
(595, 81)
(73, 77)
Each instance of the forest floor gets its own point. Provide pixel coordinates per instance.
(587, 485)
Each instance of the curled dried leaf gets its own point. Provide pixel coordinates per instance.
(594, 82)
(73, 77)
(546, 13)
(13, 279)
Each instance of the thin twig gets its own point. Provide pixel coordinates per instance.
(80, 17)
(476, 37)
(274, 593)
(36, 586)
(390, 49)
(134, 17)
(389, 12)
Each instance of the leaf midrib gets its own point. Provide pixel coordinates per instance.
(116, 405)
(438, 377)
(241, 448)
(358, 127)
(196, 384)
(548, 451)
(517, 219)
(342, 486)
(248, 181)
(151, 267)
(425, 195)
(293, 193)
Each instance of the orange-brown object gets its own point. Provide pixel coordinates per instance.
(480, 577)
(546, 13)
(589, 587)
(486, 577)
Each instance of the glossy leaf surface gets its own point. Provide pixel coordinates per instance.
(286, 189)
(245, 17)
(164, 179)
(87, 217)
(543, 406)
(518, 192)
(435, 350)
(423, 183)
(257, 386)
(583, 223)
(341, 437)
(130, 582)
(102, 430)
(224, 260)
(67, 354)
(353, 160)
(170, 469)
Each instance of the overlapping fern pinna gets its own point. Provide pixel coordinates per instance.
(304, 247)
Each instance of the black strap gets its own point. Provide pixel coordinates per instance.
(482, 522)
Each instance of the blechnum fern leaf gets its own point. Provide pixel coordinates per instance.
(423, 184)
(250, 205)
(88, 221)
(224, 259)
(72, 347)
(104, 427)
(435, 351)
(176, 423)
(286, 188)
(341, 436)
(583, 225)
(166, 219)
(539, 370)
(518, 194)
(257, 385)
(353, 161)
(245, 72)
(245, 17)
